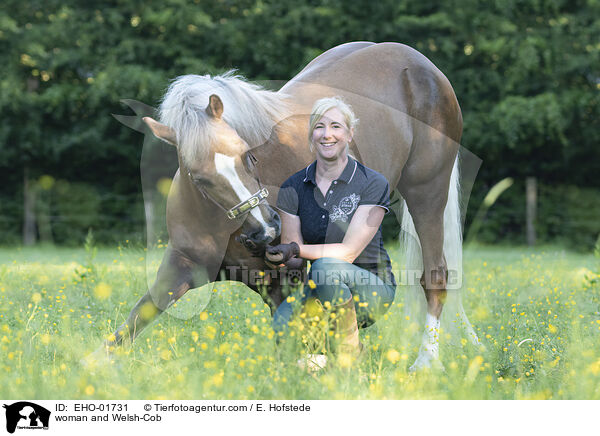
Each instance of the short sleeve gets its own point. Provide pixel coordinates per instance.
(376, 192)
(287, 200)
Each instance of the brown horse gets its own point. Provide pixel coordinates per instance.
(236, 144)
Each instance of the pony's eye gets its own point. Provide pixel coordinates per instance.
(201, 181)
(250, 160)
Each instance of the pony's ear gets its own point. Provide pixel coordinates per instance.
(161, 131)
(215, 107)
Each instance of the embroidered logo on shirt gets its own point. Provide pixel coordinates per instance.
(346, 207)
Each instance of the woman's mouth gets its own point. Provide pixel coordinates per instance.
(328, 144)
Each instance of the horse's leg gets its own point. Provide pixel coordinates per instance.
(282, 280)
(426, 204)
(269, 284)
(238, 265)
(173, 280)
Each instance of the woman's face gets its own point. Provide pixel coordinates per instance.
(331, 135)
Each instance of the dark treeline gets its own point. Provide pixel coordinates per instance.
(526, 73)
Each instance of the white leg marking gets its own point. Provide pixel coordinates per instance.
(431, 335)
(430, 348)
(225, 166)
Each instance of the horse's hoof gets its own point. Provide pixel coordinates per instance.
(100, 357)
(426, 361)
(474, 339)
(313, 362)
(419, 365)
(433, 365)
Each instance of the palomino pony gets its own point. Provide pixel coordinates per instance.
(236, 144)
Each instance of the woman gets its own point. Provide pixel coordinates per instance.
(331, 214)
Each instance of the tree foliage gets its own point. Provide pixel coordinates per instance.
(526, 73)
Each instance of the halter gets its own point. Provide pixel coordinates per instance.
(245, 206)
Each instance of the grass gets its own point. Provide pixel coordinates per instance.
(538, 320)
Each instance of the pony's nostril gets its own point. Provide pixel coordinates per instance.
(268, 233)
(254, 236)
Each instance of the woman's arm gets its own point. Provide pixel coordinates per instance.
(291, 232)
(361, 230)
(290, 228)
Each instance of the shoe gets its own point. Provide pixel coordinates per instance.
(346, 341)
(313, 362)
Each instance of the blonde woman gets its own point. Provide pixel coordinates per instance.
(331, 214)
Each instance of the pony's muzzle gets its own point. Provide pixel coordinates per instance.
(266, 233)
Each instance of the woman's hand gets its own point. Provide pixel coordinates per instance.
(295, 263)
(281, 253)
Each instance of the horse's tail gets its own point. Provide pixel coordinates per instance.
(415, 304)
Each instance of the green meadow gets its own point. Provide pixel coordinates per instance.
(536, 311)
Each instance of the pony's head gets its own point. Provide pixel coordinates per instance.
(221, 166)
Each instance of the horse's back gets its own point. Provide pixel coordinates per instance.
(332, 55)
(397, 93)
(392, 74)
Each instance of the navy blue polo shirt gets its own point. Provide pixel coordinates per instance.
(325, 219)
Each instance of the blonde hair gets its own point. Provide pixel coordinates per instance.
(323, 105)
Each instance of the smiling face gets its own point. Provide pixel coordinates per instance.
(331, 135)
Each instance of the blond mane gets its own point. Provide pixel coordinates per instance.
(248, 108)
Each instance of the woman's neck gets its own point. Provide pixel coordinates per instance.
(331, 170)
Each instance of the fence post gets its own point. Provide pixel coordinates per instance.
(531, 199)
(29, 225)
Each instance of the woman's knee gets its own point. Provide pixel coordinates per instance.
(323, 263)
(382, 296)
(327, 281)
(325, 271)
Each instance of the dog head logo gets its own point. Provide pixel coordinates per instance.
(26, 415)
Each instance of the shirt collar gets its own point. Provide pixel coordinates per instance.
(345, 177)
(310, 173)
(349, 171)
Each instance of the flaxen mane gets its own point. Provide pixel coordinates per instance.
(248, 108)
